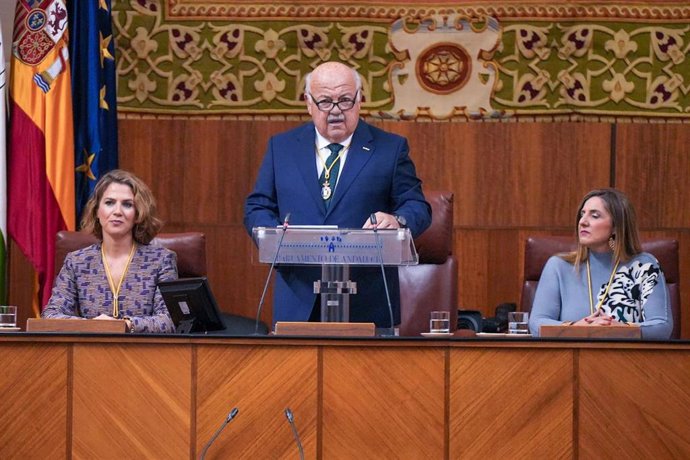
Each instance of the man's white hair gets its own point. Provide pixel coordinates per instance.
(355, 75)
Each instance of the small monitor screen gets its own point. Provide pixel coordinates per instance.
(191, 305)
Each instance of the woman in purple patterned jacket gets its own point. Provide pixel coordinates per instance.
(118, 276)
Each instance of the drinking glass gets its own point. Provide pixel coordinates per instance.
(518, 322)
(439, 323)
(8, 316)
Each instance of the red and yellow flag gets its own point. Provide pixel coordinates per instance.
(41, 141)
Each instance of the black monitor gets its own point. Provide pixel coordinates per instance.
(191, 305)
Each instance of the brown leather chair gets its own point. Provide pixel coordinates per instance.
(538, 250)
(190, 248)
(433, 284)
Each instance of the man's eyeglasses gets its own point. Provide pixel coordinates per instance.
(326, 105)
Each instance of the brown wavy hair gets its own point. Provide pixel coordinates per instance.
(146, 224)
(625, 232)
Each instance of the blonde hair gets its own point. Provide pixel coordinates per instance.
(146, 224)
(625, 233)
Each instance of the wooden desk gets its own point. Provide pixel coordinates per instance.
(163, 397)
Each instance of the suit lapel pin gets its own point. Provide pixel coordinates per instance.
(365, 148)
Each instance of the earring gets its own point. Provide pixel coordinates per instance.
(612, 242)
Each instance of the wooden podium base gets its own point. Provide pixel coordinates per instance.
(115, 326)
(325, 329)
(592, 332)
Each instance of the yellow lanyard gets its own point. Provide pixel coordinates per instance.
(116, 290)
(326, 168)
(606, 292)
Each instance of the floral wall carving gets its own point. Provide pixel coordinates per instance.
(482, 61)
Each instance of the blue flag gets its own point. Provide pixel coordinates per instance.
(92, 55)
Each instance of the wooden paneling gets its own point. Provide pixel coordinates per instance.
(510, 180)
(200, 172)
(506, 176)
(621, 406)
(652, 166)
(511, 174)
(34, 402)
(236, 278)
(21, 279)
(489, 268)
(261, 381)
(524, 408)
(684, 247)
(164, 397)
(492, 265)
(378, 402)
(150, 385)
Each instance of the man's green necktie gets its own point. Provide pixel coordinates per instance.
(329, 175)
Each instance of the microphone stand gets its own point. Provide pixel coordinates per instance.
(372, 219)
(268, 278)
(228, 419)
(295, 434)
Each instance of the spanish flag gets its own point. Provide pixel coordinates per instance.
(41, 142)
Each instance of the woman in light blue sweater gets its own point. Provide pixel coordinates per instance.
(608, 279)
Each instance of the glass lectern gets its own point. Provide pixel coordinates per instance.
(335, 250)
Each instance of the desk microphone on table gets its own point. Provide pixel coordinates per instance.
(233, 413)
(291, 420)
(270, 272)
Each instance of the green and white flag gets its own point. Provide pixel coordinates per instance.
(4, 78)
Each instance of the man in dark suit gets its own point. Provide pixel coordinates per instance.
(337, 170)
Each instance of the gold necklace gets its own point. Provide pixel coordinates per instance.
(113, 289)
(606, 292)
(326, 190)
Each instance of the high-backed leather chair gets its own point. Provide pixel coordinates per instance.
(190, 248)
(433, 284)
(538, 249)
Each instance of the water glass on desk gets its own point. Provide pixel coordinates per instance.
(439, 322)
(8, 316)
(518, 322)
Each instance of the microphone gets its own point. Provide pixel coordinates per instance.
(291, 420)
(372, 220)
(228, 419)
(270, 272)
